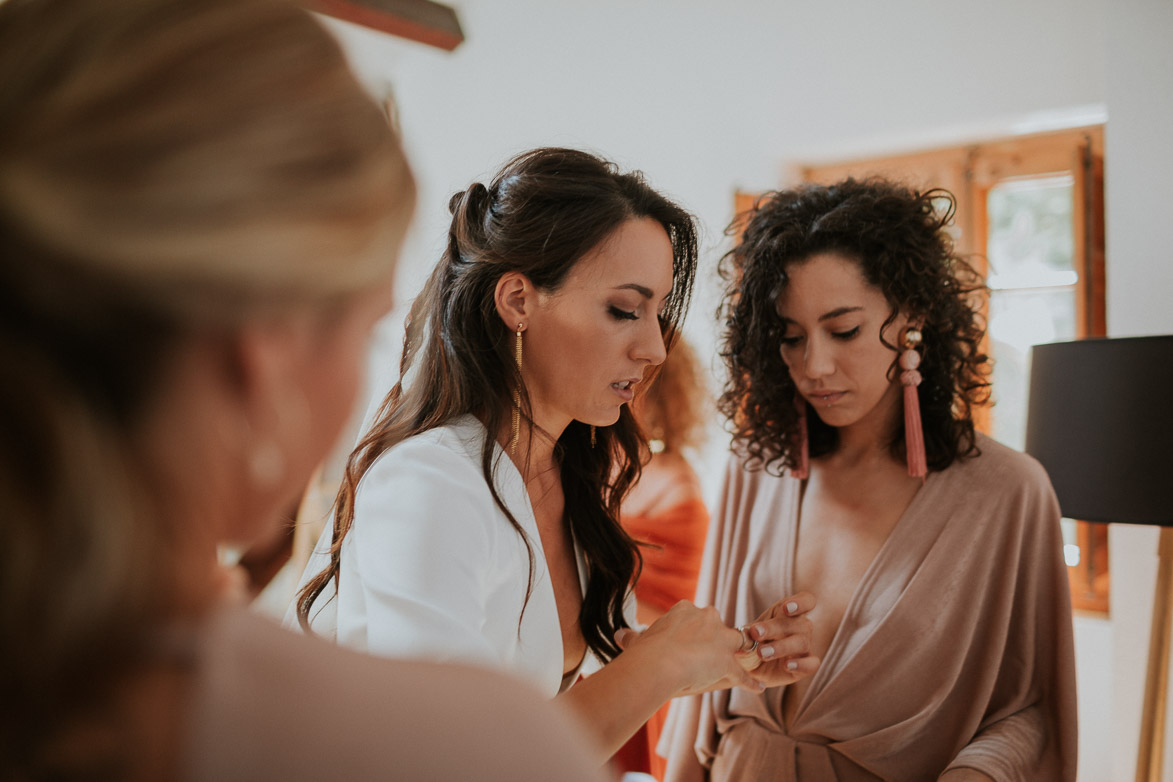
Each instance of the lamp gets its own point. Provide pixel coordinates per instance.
(1100, 420)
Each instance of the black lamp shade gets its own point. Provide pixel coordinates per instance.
(1100, 421)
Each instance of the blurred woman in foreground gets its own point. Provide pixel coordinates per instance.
(199, 216)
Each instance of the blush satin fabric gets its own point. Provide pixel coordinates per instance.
(956, 649)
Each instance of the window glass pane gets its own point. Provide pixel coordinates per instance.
(1032, 298)
(1032, 279)
(1031, 242)
(1020, 319)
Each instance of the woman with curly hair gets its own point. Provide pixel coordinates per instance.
(943, 624)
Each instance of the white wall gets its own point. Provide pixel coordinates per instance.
(709, 97)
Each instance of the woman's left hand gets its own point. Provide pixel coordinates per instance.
(783, 642)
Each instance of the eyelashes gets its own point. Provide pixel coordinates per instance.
(619, 314)
(843, 336)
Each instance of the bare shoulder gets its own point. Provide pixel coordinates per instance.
(273, 704)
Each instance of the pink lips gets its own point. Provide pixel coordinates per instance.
(825, 397)
(625, 389)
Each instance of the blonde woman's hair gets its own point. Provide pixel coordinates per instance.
(166, 167)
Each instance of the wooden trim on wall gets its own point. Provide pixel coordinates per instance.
(424, 21)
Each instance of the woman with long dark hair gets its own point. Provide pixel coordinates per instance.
(853, 344)
(478, 519)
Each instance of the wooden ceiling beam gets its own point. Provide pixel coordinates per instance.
(418, 20)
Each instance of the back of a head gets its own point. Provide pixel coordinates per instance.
(193, 148)
(167, 167)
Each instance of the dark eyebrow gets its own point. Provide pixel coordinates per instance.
(641, 290)
(837, 312)
(830, 315)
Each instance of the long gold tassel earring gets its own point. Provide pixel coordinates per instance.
(516, 393)
(592, 435)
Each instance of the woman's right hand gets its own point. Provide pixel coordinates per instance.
(695, 646)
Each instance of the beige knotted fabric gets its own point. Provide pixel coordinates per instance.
(955, 650)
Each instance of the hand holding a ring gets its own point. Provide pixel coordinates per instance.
(776, 647)
(692, 647)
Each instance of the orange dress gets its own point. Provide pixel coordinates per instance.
(669, 575)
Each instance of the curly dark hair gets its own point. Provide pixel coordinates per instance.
(898, 237)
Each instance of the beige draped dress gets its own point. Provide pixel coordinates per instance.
(955, 650)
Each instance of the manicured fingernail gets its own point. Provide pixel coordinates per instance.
(792, 607)
(757, 632)
(766, 652)
(792, 665)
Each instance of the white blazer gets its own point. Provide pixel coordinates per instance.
(432, 569)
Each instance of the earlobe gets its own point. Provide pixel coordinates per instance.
(262, 357)
(255, 358)
(513, 297)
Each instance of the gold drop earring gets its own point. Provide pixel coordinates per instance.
(517, 392)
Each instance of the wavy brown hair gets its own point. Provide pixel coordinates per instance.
(543, 212)
(898, 237)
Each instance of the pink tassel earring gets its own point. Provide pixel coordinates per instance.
(914, 435)
(802, 470)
